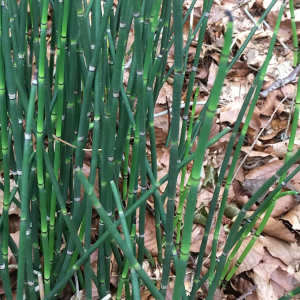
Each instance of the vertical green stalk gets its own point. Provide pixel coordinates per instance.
(178, 80)
(60, 75)
(178, 219)
(6, 170)
(294, 31)
(25, 189)
(40, 147)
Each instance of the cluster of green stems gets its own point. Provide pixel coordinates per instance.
(73, 92)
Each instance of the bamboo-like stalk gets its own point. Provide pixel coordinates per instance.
(178, 219)
(6, 169)
(59, 107)
(178, 81)
(40, 146)
(24, 191)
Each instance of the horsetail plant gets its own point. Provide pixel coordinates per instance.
(57, 96)
(241, 138)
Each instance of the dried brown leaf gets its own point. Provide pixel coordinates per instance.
(260, 276)
(282, 281)
(253, 258)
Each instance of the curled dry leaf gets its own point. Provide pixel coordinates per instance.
(283, 205)
(272, 281)
(197, 235)
(272, 275)
(242, 196)
(285, 32)
(219, 294)
(292, 218)
(287, 252)
(276, 228)
(271, 260)
(287, 90)
(240, 69)
(254, 56)
(255, 158)
(230, 113)
(202, 73)
(204, 197)
(277, 125)
(282, 281)
(254, 153)
(280, 149)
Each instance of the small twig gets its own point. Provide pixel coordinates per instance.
(252, 68)
(248, 293)
(108, 296)
(282, 43)
(71, 145)
(77, 286)
(41, 284)
(281, 82)
(251, 18)
(212, 47)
